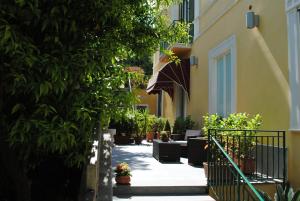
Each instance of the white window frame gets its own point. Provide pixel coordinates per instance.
(293, 24)
(229, 45)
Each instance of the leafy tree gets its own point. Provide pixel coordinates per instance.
(60, 72)
(143, 61)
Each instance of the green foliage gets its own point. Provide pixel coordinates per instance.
(241, 121)
(236, 121)
(179, 126)
(143, 122)
(60, 69)
(264, 195)
(212, 121)
(167, 126)
(122, 169)
(182, 124)
(189, 123)
(143, 61)
(164, 136)
(158, 124)
(284, 192)
(125, 124)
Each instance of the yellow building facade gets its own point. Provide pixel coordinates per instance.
(146, 101)
(258, 68)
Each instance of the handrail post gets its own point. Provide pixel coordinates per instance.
(208, 159)
(284, 158)
(238, 189)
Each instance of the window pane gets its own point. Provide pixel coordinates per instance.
(220, 86)
(299, 29)
(191, 10)
(179, 101)
(228, 83)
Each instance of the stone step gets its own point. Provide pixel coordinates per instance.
(165, 198)
(123, 190)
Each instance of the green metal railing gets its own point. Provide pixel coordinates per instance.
(225, 178)
(236, 157)
(260, 154)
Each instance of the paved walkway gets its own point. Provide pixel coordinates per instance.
(147, 171)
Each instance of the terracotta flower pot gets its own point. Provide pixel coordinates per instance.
(150, 136)
(221, 168)
(123, 180)
(247, 165)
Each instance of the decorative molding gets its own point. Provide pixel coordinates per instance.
(291, 4)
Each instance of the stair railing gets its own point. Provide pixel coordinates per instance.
(225, 178)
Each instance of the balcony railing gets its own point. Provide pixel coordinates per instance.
(165, 45)
(238, 158)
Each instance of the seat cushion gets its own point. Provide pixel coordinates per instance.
(192, 133)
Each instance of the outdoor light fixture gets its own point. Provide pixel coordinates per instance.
(252, 20)
(193, 60)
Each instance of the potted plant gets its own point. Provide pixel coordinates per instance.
(151, 132)
(212, 121)
(241, 153)
(284, 192)
(188, 123)
(123, 174)
(167, 126)
(143, 125)
(164, 136)
(179, 126)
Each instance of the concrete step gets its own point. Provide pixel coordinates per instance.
(165, 198)
(123, 190)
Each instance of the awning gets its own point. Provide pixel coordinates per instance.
(170, 74)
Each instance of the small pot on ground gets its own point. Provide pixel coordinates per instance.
(122, 180)
(122, 171)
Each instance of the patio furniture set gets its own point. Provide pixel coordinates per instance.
(193, 147)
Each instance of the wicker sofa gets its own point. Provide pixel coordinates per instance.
(183, 143)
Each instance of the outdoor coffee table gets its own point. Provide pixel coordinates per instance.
(166, 151)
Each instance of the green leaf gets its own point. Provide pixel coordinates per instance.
(7, 34)
(20, 2)
(16, 108)
(296, 196)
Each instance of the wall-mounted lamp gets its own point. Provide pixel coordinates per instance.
(193, 61)
(252, 20)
